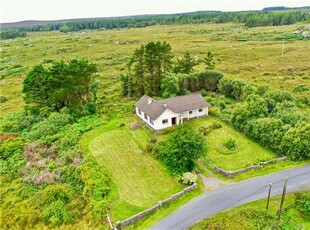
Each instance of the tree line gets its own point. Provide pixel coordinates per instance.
(270, 117)
(10, 34)
(152, 71)
(250, 19)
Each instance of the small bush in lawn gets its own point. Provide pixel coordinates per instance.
(204, 131)
(216, 125)
(231, 144)
(134, 126)
(189, 178)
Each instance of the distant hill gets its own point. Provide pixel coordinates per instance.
(279, 8)
(30, 23)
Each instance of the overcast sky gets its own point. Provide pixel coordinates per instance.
(18, 10)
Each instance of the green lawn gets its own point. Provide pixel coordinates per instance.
(247, 153)
(141, 181)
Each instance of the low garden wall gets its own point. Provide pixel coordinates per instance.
(237, 172)
(130, 220)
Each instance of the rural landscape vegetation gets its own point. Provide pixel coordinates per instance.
(73, 151)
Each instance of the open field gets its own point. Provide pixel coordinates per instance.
(224, 219)
(247, 153)
(250, 53)
(141, 181)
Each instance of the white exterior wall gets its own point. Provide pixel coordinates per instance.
(195, 113)
(147, 119)
(167, 114)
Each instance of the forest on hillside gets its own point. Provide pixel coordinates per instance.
(249, 19)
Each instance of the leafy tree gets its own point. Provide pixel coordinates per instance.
(296, 142)
(169, 86)
(280, 95)
(181, 149)
(61, 85)
(185, 64)
(209, 79)
(210, 63)
(268, 131)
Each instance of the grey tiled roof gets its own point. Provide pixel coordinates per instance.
(154, 108)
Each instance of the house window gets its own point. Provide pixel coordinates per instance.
(200, 110)
(190, 112)
(139, 111)
(145, 116)
(165, 121)
(152, 122)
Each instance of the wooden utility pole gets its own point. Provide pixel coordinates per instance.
(267, 205)
(282, 199)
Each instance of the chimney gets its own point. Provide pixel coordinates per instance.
(149, 101)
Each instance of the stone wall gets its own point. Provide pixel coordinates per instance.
(142, 214)
(237, 172)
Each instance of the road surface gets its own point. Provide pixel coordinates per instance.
(234, 195)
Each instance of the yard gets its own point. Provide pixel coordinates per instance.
(245, 154)
(141, 181)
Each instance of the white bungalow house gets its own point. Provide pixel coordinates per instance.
(160, 114)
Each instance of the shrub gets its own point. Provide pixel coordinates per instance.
(204, 131)
(53, 193)
(302, 201)
(3, 99)
(230, 144)
(189, 178)
(301, 88)
(216, 125)
(57, 213)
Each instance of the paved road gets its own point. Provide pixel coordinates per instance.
(234, 195)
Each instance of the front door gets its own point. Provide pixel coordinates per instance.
(174, 121)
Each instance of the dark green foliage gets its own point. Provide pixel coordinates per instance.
(96, 188)
(61, 85)
(251, 19)
(3, 99)
(301, 88)
(9, 34)
(169, 86)
(237, 88)
(185, 64)
(230, 144)
(48, 129)
(181, 149)
(302, 202)
(268, 131)
(210, 63)
(146, 69)
(296, 141)
(280, 96)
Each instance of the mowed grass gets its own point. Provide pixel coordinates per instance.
(141, 181)
(247, 153)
